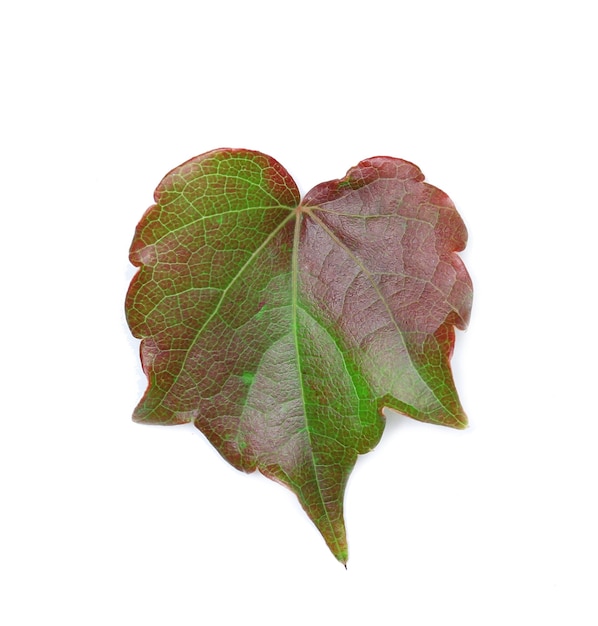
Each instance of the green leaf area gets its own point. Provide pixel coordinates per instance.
(281, 327)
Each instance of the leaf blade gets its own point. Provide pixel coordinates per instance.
(279, 327)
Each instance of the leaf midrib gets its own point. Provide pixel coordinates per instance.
(295, 329)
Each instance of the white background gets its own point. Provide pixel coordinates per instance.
(108, 522)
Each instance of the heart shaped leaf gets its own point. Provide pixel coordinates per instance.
(281, 327)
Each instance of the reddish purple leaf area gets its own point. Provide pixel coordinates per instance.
(281, 328)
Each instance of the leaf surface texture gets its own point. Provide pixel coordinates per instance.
(281, 327)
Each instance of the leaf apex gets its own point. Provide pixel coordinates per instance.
(458, 420)
(462, 423)
(342, 558)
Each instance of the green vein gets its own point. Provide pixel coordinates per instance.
(215, 215)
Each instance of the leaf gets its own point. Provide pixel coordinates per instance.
(282, 328)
